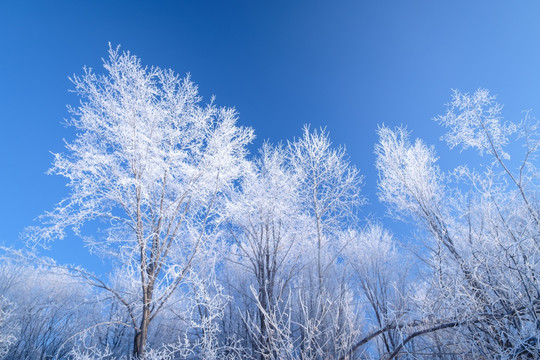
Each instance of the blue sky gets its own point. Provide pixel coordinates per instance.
(346, 65)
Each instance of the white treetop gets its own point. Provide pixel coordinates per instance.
(475, 121)
(409, 178)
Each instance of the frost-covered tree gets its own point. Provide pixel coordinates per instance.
(330, 197)
(8, 327)
(383, 292)
(149, 162)
(483, 226)
(266, 225)
(329, 188)
(43, 311)
(286, 226)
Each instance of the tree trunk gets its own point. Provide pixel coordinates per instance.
(263, 337)
(141, 335)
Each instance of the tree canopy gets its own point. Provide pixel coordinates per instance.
(216, 253)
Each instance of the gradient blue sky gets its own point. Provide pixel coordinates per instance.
(346, 65)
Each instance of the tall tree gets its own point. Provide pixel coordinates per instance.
(483, 225)
(329, 187)
(150, 162)
(267, 228)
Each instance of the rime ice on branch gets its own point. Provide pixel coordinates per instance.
(152, 162)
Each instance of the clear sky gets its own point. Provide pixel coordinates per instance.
(346, 65)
